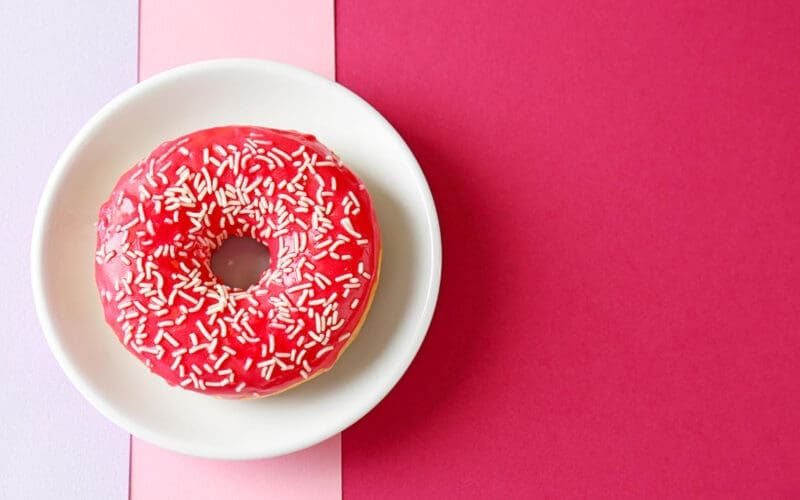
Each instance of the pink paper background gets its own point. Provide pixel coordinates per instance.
(163, 475)
(618, 185)
(180, 32)
(299, 32)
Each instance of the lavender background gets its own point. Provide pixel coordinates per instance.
(60, 61)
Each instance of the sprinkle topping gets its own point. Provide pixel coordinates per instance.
(170, 212)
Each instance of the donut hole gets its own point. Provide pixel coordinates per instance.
(240, 261)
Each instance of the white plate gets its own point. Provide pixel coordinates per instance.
(202, 95)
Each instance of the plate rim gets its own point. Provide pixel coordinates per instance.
(38, 254)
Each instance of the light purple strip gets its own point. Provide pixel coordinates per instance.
(59, 63)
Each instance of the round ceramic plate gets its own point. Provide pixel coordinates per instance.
(220, 93)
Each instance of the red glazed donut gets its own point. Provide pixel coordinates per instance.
(165, 217)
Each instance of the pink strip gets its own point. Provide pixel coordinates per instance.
(299, 32)
(311, 473)
(183, 31)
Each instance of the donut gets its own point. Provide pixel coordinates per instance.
(167, 215)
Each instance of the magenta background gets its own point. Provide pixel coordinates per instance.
(619, 194)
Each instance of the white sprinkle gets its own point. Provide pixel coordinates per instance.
(249, 329)
(272, 158)
(348, 226)
(299, 151)
(302, 299)
(202, 328)
(198, 347)
(323, 351)
(297, 288)
(343, 277)
(171, 339)
(222, 328)
(282, 153)
(220, 361)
